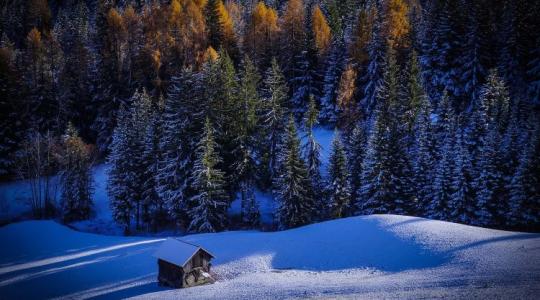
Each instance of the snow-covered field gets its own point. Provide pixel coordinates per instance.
(380, 256)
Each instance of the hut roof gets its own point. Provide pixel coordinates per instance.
(178, 252)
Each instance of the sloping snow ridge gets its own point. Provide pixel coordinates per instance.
(379, 256)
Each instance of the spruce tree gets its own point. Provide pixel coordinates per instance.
(312, 153)
(524, 199)
(154, 213)
(423, 154)
(338, 183)
(210, 200)
(441, 183)
(291, 184)
(356, 151)
(117, 187)
(246, 165)
(490, 204)
(224, 107)
(373, 77)
(183, 120)
(126, 178)
(386, 175)
(272, 124)
(462, 202)
(332, 75)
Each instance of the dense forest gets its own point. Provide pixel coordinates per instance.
(195, 103)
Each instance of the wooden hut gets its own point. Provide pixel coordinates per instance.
(182, 264)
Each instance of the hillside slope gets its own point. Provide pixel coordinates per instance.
(372, 256)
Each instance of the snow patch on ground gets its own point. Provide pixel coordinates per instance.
(380, 256)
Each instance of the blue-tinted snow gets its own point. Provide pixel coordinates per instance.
(367, 257)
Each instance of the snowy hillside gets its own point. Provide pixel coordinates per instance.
(362, 257)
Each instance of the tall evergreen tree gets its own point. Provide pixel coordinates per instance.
(423, 154)
(246, 164)
(338, 183)
(126, 178)
(210, 201)
(273, 111)
(462, 203)
(183, 119)
(292, 185)
(154, 213)
(356, 151)
(312, 153)
(386, 176)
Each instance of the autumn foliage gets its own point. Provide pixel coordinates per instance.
(321, 31)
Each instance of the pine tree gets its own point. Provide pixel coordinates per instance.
(117, 188)
(356, 150)
(423, 154)
(473, 61)
(76, 177)
(246, 165)
(462, 202)
(312, 153)
(386, 175)
(183, 119)
(210, 201)
(127, 173)
(154, 213)
(224, 106)
(444, 139)
(334, 68)
(372, 78)
(490, 183)
(339, 187)
(292, 185)
(524, 200)
(273, 110)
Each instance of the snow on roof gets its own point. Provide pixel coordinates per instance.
(177, 252)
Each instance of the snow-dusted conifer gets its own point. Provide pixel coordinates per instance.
(292, 186)
(338, 183)
(423, 155)
(441, 189)
(154, 213)
(356, 150)
(332, 75)
(272, 124)
(209, 202)
(312, 153)
(462, 202)
(245, 165)
(183, 119)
